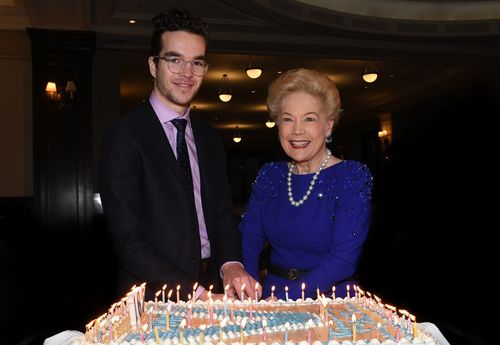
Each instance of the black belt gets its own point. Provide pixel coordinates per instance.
(287, 273)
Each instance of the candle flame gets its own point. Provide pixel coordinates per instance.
(178, 287)
(303, 286)
(210, 287)
(157, 293)
(256, 285)
(286, 288)
(226, 287)
(243, 287)
(169, 293)
(195, 286)
(353, 318)
(348, 287)
(273, 288)
(333, 288)
(164, 287)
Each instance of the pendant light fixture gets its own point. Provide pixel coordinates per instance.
(225, 93)
(237, 136)
(370, 74)
(270, 123)
(253, 70)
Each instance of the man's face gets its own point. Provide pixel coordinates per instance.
(177, 89)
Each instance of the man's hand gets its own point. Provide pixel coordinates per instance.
(235, 277)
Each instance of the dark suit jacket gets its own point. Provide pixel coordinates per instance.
(147, 206)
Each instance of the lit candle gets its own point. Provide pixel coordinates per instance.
(202, 334)
(286, 293)
(353, 327)
(181, 330)
(210, 289)
(157, 337)
(257, 292)
(242, 295)
(224, 299)
(378, 330)
(156, 299)
(167, 326)
(330, 330)
(189, 313)
(309, 331)
(195, 286)
(163, 293)
(348, 293)
(178, 294)
(242, 329)
(169, 295)
(250, 312)
(287, 327)
(303, 288)
(272, 292)
(264, 329)
(225, 290)
(143, 333)
(415, 330)
(333, 292)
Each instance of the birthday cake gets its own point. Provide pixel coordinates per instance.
(361, 320)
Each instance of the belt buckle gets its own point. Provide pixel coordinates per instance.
(293, 274)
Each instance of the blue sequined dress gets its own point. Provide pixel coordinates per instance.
(324, 235)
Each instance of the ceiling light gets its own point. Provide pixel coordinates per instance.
(270, 123)
(237, 136)
(370, 74)
(253, 70)
(225, 93)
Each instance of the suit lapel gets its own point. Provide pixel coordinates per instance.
(160, 141)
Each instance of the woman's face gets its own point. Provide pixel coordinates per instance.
(303, 128)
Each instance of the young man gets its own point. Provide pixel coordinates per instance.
(163, 179)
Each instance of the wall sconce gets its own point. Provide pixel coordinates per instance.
(225, 93)
(270, 123)
(370, 74)
(237, 136)
(63, 97)
(253, 70)
(382, 134)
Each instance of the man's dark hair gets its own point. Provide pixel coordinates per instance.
(176, 20)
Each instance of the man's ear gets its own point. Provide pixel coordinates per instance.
(152, 66)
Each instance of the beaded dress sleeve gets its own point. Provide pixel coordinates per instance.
(252, 233)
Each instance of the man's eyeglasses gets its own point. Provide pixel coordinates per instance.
(176, 65)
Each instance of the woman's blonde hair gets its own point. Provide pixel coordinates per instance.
(310, 81)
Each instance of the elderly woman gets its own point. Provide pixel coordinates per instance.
(314, 210)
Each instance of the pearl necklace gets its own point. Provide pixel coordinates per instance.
(311, 184)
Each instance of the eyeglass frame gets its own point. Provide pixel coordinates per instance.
(183, 65)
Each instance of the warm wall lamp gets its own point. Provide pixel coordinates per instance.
(225, 93)
(270, 123)
(63, 97)
(237, 135)
(382, 134)
(370, 74)
(253, 70)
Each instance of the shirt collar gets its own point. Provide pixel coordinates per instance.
(164, 113)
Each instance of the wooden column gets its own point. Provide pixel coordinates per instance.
(62, 131)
